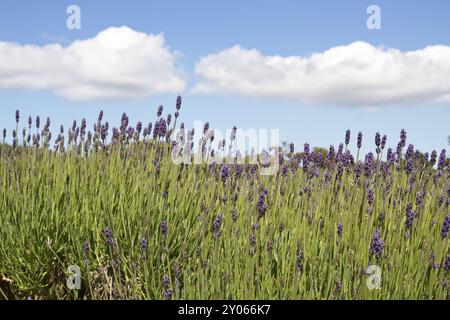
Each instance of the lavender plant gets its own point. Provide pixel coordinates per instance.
(112, 201)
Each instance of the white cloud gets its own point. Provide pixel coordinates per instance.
(118, 63)
(357, 74)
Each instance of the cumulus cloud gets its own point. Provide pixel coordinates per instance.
(357, 74)
(118, 63)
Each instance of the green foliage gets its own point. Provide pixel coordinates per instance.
(51, 203)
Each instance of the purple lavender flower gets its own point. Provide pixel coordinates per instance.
(419, 198)
(160, 128)
(143, 244)
(139, 127)
(377, 139)
(306, 149)
(330, 154)
(160, 111)
(86, 248)
(83, 127)
(340, 228)
(409, 152)
(109, 237)
(359, 140)
(169, 119)
(340, 170)
(426, 157)
(340, 151)
(17, 116)
(370, 196)
(376, 245)
(252, 243)
(216, 226)
(436, 177)
(166, 281)
(103, 132)
(441, 162)
(38, 122)
(410, 215)
(225, 172)
(398, 152)
(115, 134)
(445, 227)
(130, 132)
(347, 137)
(409, 166)
(164, 228)
(358, 171)
(384, 169)
(168, 293)
(149, 128)
(447, 263)
(433, 157)
(441, 200)
(100, 116)
(368, 165)
(402, 138)
(178, 104)
(383, 142)
(206, 128)
(233, 133)
(239, 171)
(262, 206)
(417, 155)
(319, 158)
(123, 123)
(299, 260)
(178, 273)
(74, 126)
(390, 156)
(291, 148)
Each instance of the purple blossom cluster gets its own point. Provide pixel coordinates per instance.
(376, 245)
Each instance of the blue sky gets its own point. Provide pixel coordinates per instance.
(196, 29)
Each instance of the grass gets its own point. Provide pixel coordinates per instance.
(52, 203)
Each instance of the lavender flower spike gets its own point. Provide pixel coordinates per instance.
(359, 140)
(445, 227)
(109, 237)
(340, 228)
(376, 245)
(216, 226)
(164, 228)
(347, 137)
(410, 215)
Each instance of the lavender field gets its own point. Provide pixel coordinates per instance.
(112, 202)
